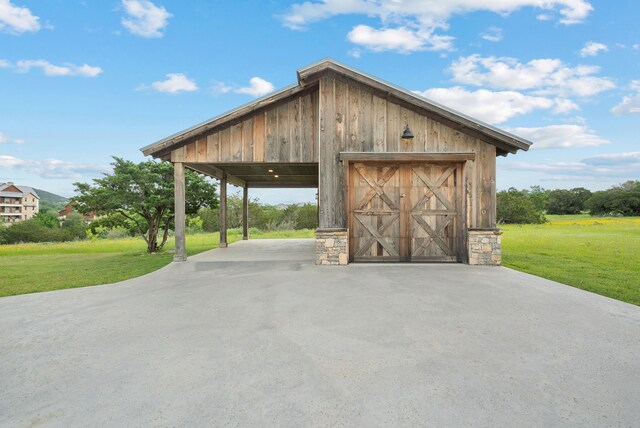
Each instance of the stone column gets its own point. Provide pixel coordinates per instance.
(332, 247)
(484, 246)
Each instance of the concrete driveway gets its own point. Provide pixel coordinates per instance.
(240, 337)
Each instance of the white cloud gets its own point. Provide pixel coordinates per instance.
(23, 66)
(410, 25)
(612, 167)
(17, 20)
(220, 88)
(145, 18)
(494, 107)
(5, 139)
(257, 87)
(628, 105)
(355, 53)
(615, 159)
(493, 34)
(593, 49)
(560, 136)
(302, 14)
(53, 168)
(400, 39)
(631, 103)
(175, 83)
(545, 76)
(636, 46)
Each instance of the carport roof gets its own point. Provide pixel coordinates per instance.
(309, 76)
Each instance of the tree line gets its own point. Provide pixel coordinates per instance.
(138, 199)
(531, 205)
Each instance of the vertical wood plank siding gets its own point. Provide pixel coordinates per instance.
(343, 115)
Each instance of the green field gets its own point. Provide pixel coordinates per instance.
(596, 254)
(31, 268)
(601, 255)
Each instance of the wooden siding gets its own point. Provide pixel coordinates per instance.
(355, 118)
(282, 133)
(342, 115)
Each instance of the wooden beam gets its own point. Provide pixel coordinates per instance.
(180, 253)
(215, 172)
(283, 185)
(245, 213)
(223, 211)
(407, 157)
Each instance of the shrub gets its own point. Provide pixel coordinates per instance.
(615, 201)
(111, 221)
(567, 201)
(34, 231)
(117, 233)
(194, 225)
(516, 206)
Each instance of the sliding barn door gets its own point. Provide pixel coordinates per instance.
(405, 212)
(375, 212)
(434, 212)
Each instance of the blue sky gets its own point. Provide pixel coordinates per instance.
(81, 81)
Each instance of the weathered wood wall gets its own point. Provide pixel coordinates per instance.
(284, 133)
(354, 118)
(343, 115)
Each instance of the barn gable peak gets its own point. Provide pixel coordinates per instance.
(308, 78)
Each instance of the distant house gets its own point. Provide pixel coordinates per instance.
(17, 203)
(69, 208)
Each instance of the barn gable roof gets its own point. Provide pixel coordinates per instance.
(309, 76)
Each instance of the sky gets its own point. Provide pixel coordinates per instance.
(82, 81)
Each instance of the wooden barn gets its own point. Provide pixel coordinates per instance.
(399, 178)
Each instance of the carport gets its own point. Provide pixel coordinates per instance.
(399, 177)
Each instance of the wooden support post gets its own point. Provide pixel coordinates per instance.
(245, 213)
(180, 253)
(223, 211)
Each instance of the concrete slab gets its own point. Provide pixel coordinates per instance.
(242, 337)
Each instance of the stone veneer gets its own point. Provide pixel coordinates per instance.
(332, 247)
(484, 247)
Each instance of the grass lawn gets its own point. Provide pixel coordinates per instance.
(601, 255)
(31, 268)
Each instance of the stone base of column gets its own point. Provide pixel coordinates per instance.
(484, 246)
(332, 247)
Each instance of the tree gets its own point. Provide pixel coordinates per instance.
(307, 216)
(47, 219)
(623, 199)
(516, 206)
(144, 194)
(538, 196)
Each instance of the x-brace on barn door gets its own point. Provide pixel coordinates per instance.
(405, 211)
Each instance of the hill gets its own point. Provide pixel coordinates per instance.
(50, 200)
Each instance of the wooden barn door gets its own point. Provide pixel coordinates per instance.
(434, 212)
(374, 220)
(404, 212)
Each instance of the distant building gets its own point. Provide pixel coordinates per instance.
(17, 203)
(69, 208)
